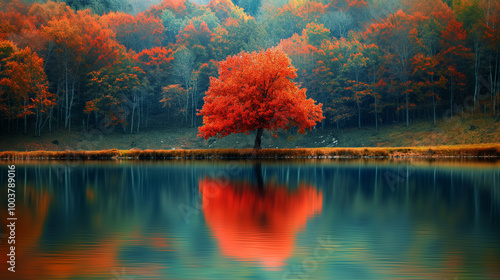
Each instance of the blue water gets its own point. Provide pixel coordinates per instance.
(331, 219)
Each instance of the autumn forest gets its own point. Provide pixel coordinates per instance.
(83, 64)
(250, 139)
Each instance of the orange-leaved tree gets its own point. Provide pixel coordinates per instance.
(255, 91)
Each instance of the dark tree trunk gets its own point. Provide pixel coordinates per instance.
(256, 146)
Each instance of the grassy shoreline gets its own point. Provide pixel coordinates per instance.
(457, 151)
(158, 136)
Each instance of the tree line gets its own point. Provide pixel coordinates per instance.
(369, 62)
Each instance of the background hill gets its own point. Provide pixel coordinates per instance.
(400, 66)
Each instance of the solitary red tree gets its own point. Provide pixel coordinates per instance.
(255, 91)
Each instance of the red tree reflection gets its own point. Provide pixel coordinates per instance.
(255, 225)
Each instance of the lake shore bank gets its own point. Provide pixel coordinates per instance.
(160, 137)
(456, 151)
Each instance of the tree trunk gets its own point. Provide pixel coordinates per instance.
(187, 106)
(407, 109)
(359, 114)
(59, 113)
(25, 119)
(476, 72)
(71, 105)
(66, 94)
(258, 139)
(192, 112)
(88, 121)
(132, 117)
(147, 115)
(139, 113)
(43, 123)
(132, 120)
(494, 85)
(434, 108)
(71, 102)
(398, 112)
(36, 123)
(50, 119)
(376, 113)
(451, 97)
(96, 119)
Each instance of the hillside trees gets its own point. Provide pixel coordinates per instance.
(118, 91)
(369, 62)
(352, 67)
(24, 86)
(137, 33)
(491, 25)
(80, 45)
(157, 65)
(398, 35)
(173, 97)
(282, 22)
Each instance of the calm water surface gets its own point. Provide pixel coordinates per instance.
(248, 220)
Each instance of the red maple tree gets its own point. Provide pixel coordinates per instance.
(255, 91)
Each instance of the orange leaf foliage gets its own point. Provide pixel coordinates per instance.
(195, 36)
(24, 84)
(156, 57)
(225, 9)
(345, 5)
(255, 90)
(178, 7)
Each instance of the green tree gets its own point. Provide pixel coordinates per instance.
(117, 92)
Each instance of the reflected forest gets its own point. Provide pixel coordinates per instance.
(197, 220)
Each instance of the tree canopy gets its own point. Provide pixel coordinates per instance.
(255, 91)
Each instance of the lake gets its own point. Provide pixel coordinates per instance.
(305, 219)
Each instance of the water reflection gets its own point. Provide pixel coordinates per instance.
(112, 220)
(258, 222)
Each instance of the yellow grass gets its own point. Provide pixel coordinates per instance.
(482, 150)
